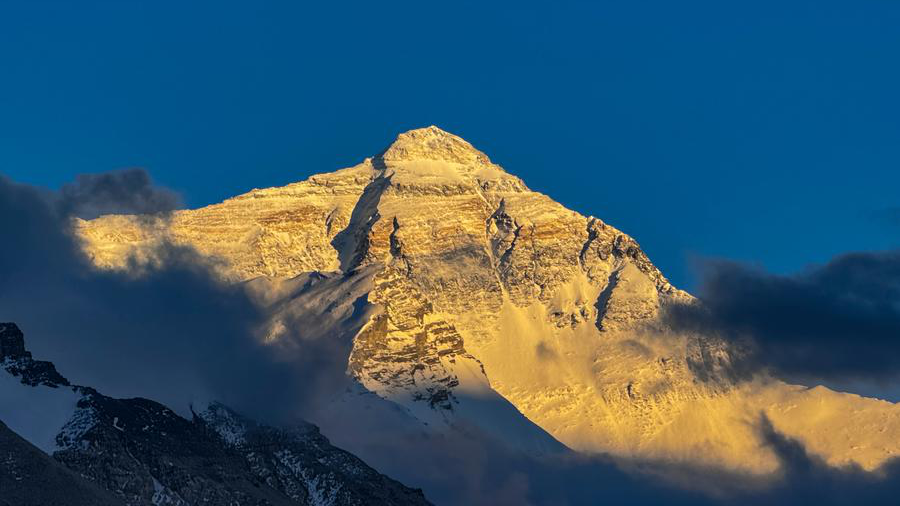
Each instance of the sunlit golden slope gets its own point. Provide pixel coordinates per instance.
(486, 287)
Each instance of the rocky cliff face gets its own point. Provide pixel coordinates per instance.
(485, 287)
(19, 362)
(143, 453)
(300, 463)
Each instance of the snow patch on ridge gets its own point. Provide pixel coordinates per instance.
(38, 413)
(230, 427)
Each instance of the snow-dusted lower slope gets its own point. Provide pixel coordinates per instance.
(146, 454)
(495, 305)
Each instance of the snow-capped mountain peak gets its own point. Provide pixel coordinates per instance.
(496, 306)
(432, 143)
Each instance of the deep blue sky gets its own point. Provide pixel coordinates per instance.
(766, 131)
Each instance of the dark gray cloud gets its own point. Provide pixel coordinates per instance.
(837, 321)
(128, 191)
(175, 333)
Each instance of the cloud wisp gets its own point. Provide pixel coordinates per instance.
(128, 191)
(838, 321)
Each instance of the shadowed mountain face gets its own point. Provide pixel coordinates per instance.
(139, 452)
(29, 477)
(497, 307)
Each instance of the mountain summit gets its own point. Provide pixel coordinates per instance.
(429, 157)
(494, 306)
(432, 143)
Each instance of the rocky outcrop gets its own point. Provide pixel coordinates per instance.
(408, 352)
(147, 454)
(18, 361)
(299, 462)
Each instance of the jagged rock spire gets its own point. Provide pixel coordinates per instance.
(12, 342)
(17, 360)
